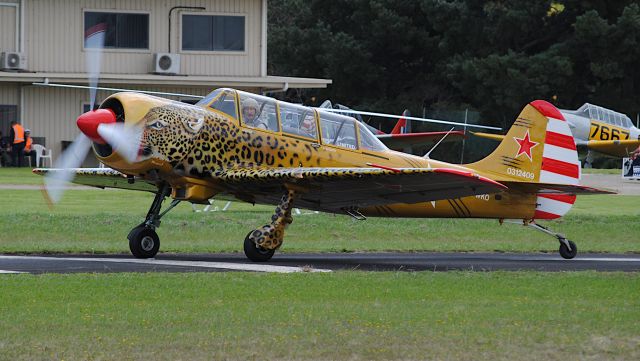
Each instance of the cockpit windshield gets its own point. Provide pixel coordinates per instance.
(222, 100)
(604, 115)
(368, 141)
(207, 99)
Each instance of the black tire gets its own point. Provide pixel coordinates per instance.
(564, 251)
(143, 242)
(254, 253)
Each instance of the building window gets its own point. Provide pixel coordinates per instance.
(123, 30)
(212, 33)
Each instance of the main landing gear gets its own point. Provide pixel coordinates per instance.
(568, 249)
(260, 244)
(143, 239)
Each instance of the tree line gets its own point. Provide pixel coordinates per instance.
(491, 56)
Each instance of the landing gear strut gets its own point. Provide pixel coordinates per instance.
(260, 244)
(143, 239)
(568, 249)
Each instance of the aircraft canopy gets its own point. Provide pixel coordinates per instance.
(296, 120)
(604, 115)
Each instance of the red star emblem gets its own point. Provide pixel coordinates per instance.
(525, 146)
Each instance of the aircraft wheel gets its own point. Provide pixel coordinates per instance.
(143, 242)
(564, 251)
(255, 253)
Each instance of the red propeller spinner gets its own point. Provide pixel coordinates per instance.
(88, 123)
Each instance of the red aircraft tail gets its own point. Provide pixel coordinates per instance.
(401, 125)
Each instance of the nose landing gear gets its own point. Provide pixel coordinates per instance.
(143, 239)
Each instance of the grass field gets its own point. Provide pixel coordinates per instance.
(97, 221)
(601, 171)
(337, 316)
(340, 316)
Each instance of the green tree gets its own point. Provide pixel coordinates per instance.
(494, 56)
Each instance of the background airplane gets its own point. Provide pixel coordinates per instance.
(400, 138)
(596, 129)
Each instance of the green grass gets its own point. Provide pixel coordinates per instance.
(601, 171)
(340, 316)
(22, 176)
(97, 221)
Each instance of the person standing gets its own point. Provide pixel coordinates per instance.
(18, 143)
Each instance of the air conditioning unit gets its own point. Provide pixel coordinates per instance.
(13, 61)
(165, 63)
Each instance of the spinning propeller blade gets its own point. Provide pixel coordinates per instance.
(124, 140)
(72, 157)
(99, 126)
(94, 43)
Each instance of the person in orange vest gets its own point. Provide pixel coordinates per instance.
(17, 143)
(28, 152)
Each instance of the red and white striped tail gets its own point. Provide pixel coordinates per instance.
(560, 164)
(552, 206)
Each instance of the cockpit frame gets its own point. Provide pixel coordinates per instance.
(349, 137)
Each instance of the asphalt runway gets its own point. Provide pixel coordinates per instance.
(325, 262)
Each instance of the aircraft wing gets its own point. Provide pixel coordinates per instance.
(101, 178)
(616, 148)
(331, 189)
(399, 141)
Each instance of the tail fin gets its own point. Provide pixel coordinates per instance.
(402, 126)
(539, 148)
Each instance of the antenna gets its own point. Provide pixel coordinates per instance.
(46, 83)
(437, 144)
(351, 111)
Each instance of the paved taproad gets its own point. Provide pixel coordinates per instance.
(325, 262)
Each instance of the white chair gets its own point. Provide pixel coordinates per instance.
(42, 153)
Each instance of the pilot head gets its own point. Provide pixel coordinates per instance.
(249, 110)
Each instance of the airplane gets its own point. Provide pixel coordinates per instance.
(234, 145)
(596, 129)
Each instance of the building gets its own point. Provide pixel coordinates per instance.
(185, 47)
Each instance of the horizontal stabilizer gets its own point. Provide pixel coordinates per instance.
(541, 188)
(400, 141)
